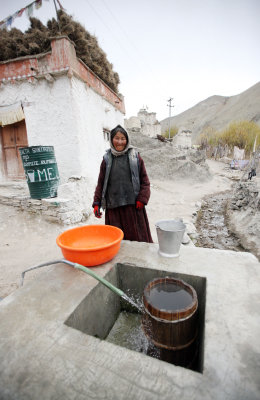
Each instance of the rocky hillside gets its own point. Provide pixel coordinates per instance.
(218, 111)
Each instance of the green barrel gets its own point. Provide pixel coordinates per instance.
(41, 171)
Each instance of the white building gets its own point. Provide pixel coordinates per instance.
(54, 99)
(145, 123)
(183, 139)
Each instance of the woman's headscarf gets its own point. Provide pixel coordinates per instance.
(113, 132)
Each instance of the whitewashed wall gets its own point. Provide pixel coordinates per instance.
(151, 130)
(93, 114)
(49, 118)
(149, 126)
(133, 123)
(70, 116)
(182, 140)
(147, 118)
(1, 162)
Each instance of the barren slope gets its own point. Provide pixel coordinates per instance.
(218, 111)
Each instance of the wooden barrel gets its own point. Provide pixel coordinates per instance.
(187, 357)
(170, 319)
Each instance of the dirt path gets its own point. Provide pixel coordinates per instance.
(28, 240)
(173, 199)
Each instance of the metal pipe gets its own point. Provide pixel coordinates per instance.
(38, 266)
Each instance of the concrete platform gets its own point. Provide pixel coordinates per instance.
(43, 358)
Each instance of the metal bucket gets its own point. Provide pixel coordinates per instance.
(170, 234)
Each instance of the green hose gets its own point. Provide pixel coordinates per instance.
(89, 272)
(78, 266)
(105, 283)
(102, 280)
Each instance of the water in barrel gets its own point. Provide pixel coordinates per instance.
(169, 297)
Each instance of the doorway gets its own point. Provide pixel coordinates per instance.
(14, 136)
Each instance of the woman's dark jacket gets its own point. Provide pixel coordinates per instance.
(140, 180)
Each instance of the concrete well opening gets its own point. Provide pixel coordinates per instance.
(105, 315)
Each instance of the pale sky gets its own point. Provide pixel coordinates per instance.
(185, 49)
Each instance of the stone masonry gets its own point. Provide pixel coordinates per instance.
(58, 209)
(244, 214)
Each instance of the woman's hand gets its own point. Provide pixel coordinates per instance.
(97, 212)
(139, 205)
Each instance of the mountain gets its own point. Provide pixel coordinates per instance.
(218, 112)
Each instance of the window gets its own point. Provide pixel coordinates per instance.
(106, 134)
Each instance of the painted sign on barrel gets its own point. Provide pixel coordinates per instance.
(41, 171)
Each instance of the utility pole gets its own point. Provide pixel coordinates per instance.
(170, 107)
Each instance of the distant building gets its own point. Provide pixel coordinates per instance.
(182, 139)
(145, 123)
(133, 123)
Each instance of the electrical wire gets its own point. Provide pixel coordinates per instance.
(124, 48)
(122, 29)
(105, 24)
(136, 61)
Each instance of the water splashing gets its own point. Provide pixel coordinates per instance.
(139, 307)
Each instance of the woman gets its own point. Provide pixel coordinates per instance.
(123, 188)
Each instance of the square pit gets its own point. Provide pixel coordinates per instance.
(102, 310)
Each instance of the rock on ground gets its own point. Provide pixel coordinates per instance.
(244, 217)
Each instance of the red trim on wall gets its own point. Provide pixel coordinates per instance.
(62, 59)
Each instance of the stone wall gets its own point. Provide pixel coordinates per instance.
(246, 195)
(65, 211)
(244, 214)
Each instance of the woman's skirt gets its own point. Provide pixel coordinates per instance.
(133, 222)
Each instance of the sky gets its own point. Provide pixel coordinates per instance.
(187, 50)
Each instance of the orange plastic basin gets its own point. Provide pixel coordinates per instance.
(90, 245)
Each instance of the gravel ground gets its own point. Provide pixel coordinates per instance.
(28, 240)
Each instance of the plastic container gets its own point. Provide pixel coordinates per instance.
(90, 245)
(170, 234)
